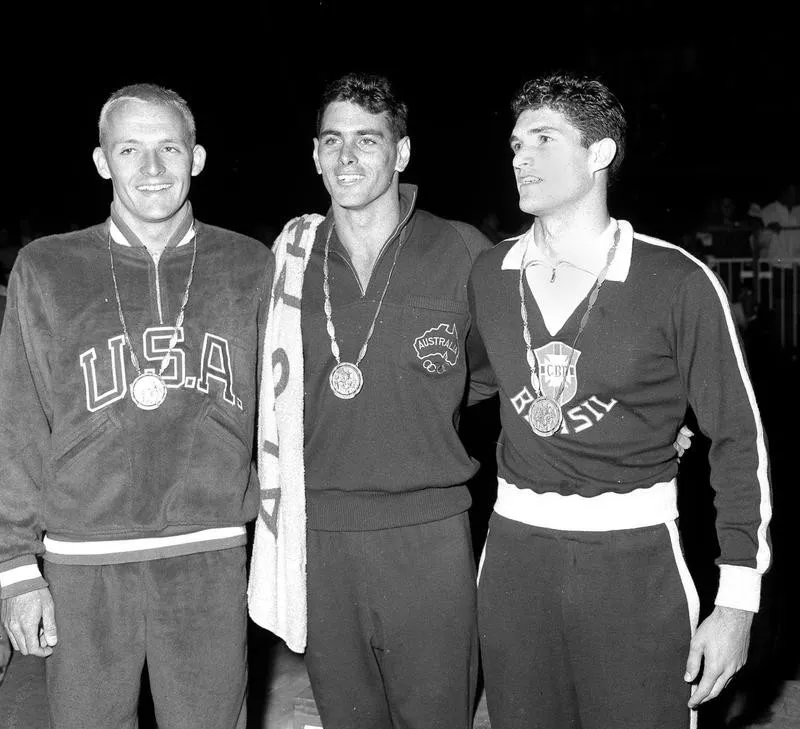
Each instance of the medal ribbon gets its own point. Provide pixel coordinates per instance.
(178, 322)
(329, 311)
(526, 333)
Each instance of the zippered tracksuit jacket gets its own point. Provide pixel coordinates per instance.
(105, 492)
(392, 635)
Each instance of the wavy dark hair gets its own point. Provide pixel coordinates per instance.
(372, 93)
(586, 102)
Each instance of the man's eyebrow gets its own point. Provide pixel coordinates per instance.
(530, 131)
(168, 140)
(360, 132)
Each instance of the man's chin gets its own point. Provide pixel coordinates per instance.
(160, 214)
(351, 202)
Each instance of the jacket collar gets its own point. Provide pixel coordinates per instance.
(408, 205)
(525, 248)
(124, 236)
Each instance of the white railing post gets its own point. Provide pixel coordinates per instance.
(783, 280)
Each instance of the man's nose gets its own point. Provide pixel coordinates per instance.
(347, 154)
(521, 159)
(152, 164)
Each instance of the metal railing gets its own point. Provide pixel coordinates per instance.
(773, 284)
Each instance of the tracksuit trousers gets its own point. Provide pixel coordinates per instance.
(585, 630)
(392, 634)
(186, 616)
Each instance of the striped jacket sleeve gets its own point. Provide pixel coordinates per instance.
(24, 435)
(712, 365)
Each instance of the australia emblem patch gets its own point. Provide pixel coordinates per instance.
(438, 348)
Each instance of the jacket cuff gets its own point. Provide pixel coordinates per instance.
(19, 579)
(739, 587)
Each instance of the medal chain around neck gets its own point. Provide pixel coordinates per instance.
(178, 322)
(526, 333)
(329, 311)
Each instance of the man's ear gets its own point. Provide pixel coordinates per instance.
(198, 159)
(315, 155)
(403, 154)
(101, 163)
(602, 153)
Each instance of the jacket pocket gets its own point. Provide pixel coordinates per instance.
(433, 331)
(216, 476)
(91, 478)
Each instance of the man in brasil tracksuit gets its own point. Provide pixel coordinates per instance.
(599, 337)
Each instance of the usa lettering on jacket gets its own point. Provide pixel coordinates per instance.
(215, 364)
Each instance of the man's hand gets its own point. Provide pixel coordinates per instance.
(720, 643)
(30, 622)
(683, 441)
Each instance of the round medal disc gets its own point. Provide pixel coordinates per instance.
(346, 380)
(148, 391)
(544, 416)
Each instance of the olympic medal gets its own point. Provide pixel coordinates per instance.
(346, 380)
(148, 391)
(545, 416)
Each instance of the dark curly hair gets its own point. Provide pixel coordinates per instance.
(586, 102)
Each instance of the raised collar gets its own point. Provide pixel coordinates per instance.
(618, 271)
(124, 236)
(408, 202)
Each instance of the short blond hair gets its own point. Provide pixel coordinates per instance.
(150, 94)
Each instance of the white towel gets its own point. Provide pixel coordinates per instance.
(276, 593)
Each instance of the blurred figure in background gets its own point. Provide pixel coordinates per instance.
(781, 219)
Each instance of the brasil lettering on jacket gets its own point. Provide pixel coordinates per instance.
(557, 366)
(588, 413)
(215, 364)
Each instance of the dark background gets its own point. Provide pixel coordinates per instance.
(710, 90)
